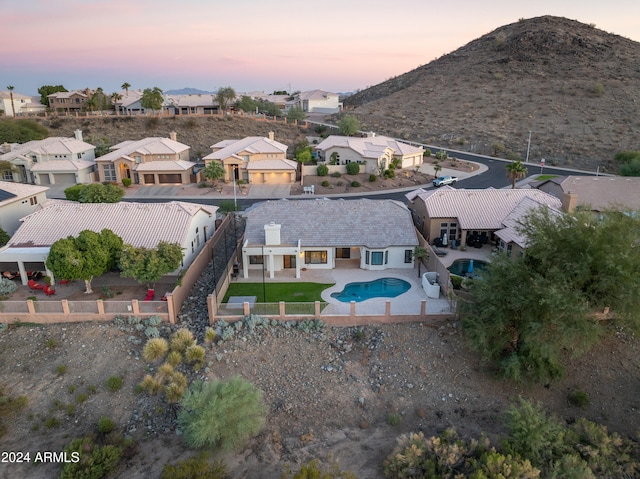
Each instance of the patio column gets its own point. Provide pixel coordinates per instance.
(271, 265)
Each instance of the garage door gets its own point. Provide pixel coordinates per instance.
(170, 178)
(64, 178)
(44, 179)
(277, 178)
(149, 179)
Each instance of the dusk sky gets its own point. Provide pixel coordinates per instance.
(252, 45)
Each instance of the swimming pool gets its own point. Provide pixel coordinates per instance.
(380, 288)
(461, 266)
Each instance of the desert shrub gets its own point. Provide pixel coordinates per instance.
(209, 335)
(195, 355)
(456, 281)
(372, 178)
(579, 399)
(178, 378)
(105, 425)
(7, 287)
(155, 349)
(355, 184)
(390, 173)
(221, 413)
(61, 369)
(597, 89)
(165, 371)
(174, 392)
(9, 407)
(114, 383)
(314, 469)
(336, 174)
(195, 468)
(632, 168)
(73, 192)
(126, 182)
(325, 183)
(442, 155)
(94, 461)
(151, 384)
(353, 168)
(322, 170)
(427, 152)
(174, 358)
(181, 340)
(393, 419)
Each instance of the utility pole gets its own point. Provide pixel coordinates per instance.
(528, 147)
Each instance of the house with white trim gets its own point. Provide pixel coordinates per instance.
(18, 200)
(52, 161)
(138, 224)
(376, 152)
(23, 104)
(150, 161)
(327, 234)
(489, 216)
(316, 101)
(254, 159)
(192, 104)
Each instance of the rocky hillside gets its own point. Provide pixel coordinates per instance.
(575, 87)
(197, 132)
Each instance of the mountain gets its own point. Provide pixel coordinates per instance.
(187, 91)
(574, 87)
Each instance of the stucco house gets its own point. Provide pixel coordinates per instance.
(129, 104)
(69, 101)
(194, 104)
(23, 104)
(327, 234)
(150, 161)
(482, 214)
(55, 160)
(138, 224)
(316, 101)
(18, 200)
(254, 159)
(595, 193)
(376, 152)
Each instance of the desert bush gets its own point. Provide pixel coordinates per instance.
(195, 355)
(427, 152)
(178, 378)
(9, 407)
(322, 170)
(456, 281)
(61, 369)
(372, 178)
(390, 173)
(105, 425)
(579, 399)
(393, 419)
(181, 340)
(164, 372)
(174, 392)
(314, 469)
(221, 413)
(126, 182)
(151, 384)
(94, 461)
(597, 89)
(114, 383)
(155, 349)
(73, 192)
(442, 155)
(195, 468)
(355, 184)
(7, 287)
(336, 174)
(325, 183)
(353, 168)
(174, 358)
(209, 335)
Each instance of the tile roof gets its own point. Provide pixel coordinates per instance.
(165, 165)
(67, 94)
(333, 223)
(315, 95)
(16, 96)
(146, 146)
(62, 165)
(251, 144)
(15, 191)
(193, 100)
(477, 209)
(370, 147)
(272, 165)
(603, 192)
(510, 233)
(54, 145)
(139, 224)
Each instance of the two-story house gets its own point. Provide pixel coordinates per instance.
(18, 200)
(55, 160)
(254, 159)
(22, 104)
(69, 101)
(150, 161)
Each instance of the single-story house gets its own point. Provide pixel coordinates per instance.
(323, 233)
(130, 103)
(194, 104)
(138, 224)
(463, 213)
(150, 161)
(376, 152)
(54, 160)
(254, 159)
(18, 200)
(595, 193)
(316, 101)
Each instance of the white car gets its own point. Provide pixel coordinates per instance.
(445, 180)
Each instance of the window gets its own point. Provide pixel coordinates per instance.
(343, 253)
(7, 176)
(408, 255)
(315, 257)
(79, 156)
(377, 258)
(366, 258)
(256, 259)
(509, 250)
(33, 200)
(109, 171)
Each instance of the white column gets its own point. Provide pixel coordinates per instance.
(271, 265)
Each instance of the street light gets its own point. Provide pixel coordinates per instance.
(528, 147)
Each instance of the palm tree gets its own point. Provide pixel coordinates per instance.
(214, 171)
(516, 171)
(115, 98)
(420, 253)
(125, 86)
(437, 168)
(13, 107)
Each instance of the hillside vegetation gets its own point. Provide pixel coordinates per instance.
(575, 87)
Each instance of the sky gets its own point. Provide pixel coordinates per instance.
(251, 45)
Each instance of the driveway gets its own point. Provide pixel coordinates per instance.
(156, 191)
(269, 191)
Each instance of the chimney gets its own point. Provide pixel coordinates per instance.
(5, 148)
(271, 234)
(371, 134)
(271, 136)
(78, 135)
(173, 135)
(569, 201)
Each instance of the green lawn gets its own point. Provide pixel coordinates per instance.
(288, 292)
(545, 177)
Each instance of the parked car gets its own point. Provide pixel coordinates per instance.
(445, 180)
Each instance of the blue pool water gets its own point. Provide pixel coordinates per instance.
(461, 266)
(380, 288)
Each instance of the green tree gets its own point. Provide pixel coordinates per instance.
(46, 90)
(420, 253)
(98, 100)
(152, 99)
(221, 413)
(13, 106)
(268, 108)
(349, 125)
(146, 265)
(4, 237)
(115, 98)
(296, 113)
(322, 170)
(21, 131)
(516, 171)
(225, 97)
(437, 168)
(632, 168)
(246, 103)
(99, 193)
(214, 171)
(88, 255)
(353, 168)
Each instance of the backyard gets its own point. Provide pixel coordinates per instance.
(287, 292)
